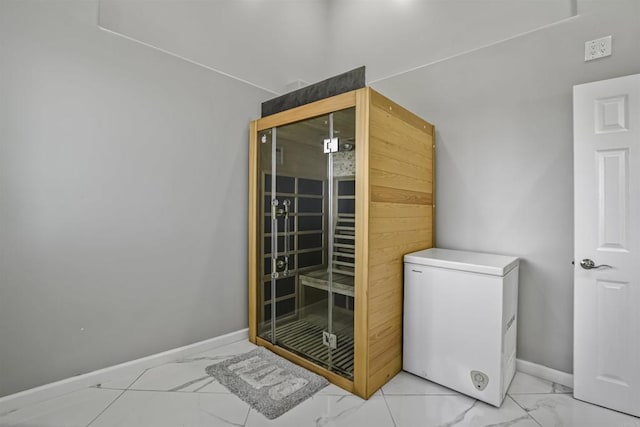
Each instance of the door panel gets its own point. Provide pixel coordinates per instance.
(613, 199)
(607, 243)
(307, 307)
(614, 312)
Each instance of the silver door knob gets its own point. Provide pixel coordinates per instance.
(588, 264)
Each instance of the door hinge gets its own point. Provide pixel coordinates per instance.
(329, 340)
(331, 145)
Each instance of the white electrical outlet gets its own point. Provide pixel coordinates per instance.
(598, 48)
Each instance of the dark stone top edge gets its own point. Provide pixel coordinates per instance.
(345, 82)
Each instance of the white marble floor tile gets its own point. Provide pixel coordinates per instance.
(330, 411)
(557, 410)
(528, 384)
(123, 382)
(73, 409)
(228, 350)
(408, 384)
(427, 411)
(333, 390)
(185, 375)
(161, 409)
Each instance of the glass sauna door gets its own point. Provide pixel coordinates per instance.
(307, 185)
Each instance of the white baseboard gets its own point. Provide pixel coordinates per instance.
(58, 388)
(545, 373)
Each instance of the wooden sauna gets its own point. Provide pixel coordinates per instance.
(339, 190)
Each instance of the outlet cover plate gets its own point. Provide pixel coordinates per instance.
(598, 48)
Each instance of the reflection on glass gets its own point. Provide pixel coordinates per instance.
(309, 268)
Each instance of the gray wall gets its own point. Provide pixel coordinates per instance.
(393, 36)
(503, 118)
(269, 43)
(123, 183)
(123, 196)
(314, 39)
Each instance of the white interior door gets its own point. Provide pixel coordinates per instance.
(607, 232)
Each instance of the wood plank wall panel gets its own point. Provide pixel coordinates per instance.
(401, 178)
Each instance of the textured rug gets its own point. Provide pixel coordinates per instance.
(267, 382)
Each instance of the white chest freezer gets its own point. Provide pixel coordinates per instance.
(460, 320)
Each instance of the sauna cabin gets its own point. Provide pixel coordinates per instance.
(340, 189)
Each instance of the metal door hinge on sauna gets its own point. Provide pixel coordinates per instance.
(340, 190)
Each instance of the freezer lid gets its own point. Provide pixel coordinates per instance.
(476, 262)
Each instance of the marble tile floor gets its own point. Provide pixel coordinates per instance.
(180, 394)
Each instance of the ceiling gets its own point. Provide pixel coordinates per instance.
(272, 43)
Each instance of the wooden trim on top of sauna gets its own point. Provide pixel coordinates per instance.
(253, 230)
(314, 109)
(381, 101)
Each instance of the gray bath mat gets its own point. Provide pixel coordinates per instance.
(267, 382)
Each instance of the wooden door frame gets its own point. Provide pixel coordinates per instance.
(358, 99)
